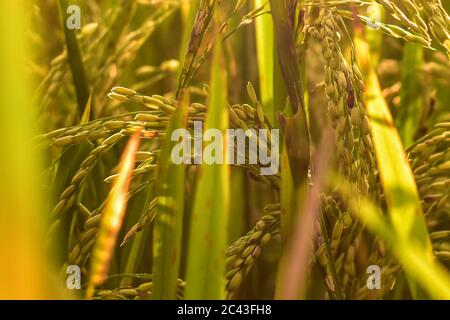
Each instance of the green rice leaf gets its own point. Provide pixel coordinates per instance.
(408, 117)
(75, 60)
(87, 111)
(208, 236)
(169, 217)
(265, 50)
(431, 276)
(396, 176)
(395, 171)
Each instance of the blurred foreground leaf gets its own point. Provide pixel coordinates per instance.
(25, 269)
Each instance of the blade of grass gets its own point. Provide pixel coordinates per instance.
(287, 189)
(295, 128)
(265, 51)
(75, 60)
(295, 270)
(431, 276)
(22, 260)
(279, 89)
(139, 241)
(87, 110)
(295, 155)
(396, 175)
(112, 217)
(169, 218)
(208, 234)
(395, 172)
(408, 116)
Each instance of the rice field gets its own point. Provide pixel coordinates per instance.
(239, 149)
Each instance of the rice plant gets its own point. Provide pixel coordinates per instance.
(346, 100)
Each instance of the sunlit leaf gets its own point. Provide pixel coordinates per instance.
(112, 217)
